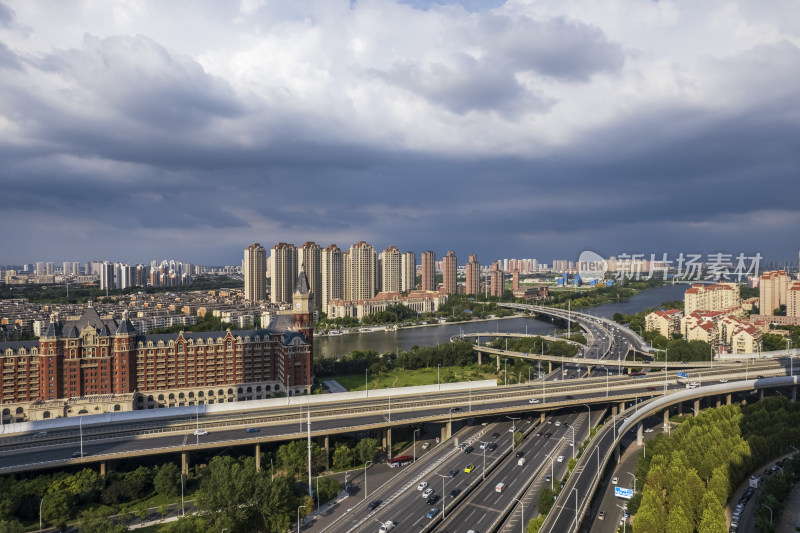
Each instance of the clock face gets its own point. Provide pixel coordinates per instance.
(297, 305)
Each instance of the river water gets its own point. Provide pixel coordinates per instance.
(404, 339)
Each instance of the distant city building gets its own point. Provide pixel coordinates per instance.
(666, 322)
(428, 271)
(310, 258)
(254, 269)
(515, 280)
(391, 270)
(283, 272)
(332, 275)
(449, 271)
(408, 272)
(419, 301)
(473, 275)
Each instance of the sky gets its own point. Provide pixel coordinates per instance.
(133, 130)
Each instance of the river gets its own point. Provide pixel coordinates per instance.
(403, 339)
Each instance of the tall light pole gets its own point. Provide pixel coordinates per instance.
(365, 479)
(597, 448)
(80, 428)
(588, 422)
(576, 507)
(366, 382)
(438, 381)
(770, 512)
(483, 471)
(298, 517)
(513, 428)
(414, 447)
(552, 470)
(470, 395)
(505, 370)
(522, 516)
(40, 513)
(634, 481)
(606, 369)
(444, 500)
(573, 442)
(624, 521)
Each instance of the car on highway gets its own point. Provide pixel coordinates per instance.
(469, 468)
(469, 449)
(433, 498)
(495, 435)
(483, 445)
(427, 492)
(426, 445)
(520, 454)
(40, 434)
(723, 380)
(76, 455)
(572, 443)
(560, 459)
(452, 472)
(200, 432)
(454, 493)
(433, 512)
(538, 433)
(253, 430)
(648, 430)
(614, 480)
(548, 435)
(455, 409)
(558, 424)
(373, 504)
(533, 400)
(492, 446)
(387, 526)
(422, 485)
(601, 515)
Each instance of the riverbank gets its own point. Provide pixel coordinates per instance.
(389, 328)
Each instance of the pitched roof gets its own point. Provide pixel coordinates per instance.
(302, 283)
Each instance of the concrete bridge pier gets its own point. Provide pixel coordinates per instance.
(103, 468)
(617, 453)
(387, 441)
(614, 410)
(447, 430)
(718, 402)
(639, 434)
(728, 399)
(549, 367)
(680, 408)
(761, 394)
(258, 458)
(666, 417)
(185, 463)
(542, 417)
(696, 407)
(480, 358)
(621, 407)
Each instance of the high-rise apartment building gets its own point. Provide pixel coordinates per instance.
(391, 269)
(283, 272)
(449, 270)
(428, 271)
(408, 275)
(332, 275)
(497, 280)
(254, 268)
(473, 272)
(772, 291)
(360, 272)
(722, 297)
(793, 299)
(107, 276)
(310, 258)
(515, 280)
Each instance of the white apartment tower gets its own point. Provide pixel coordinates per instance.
(283, 272)
(254, 268)
(360, 272)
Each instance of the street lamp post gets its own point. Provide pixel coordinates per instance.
(470, 395)
(588, 422)
(576, 507)
(770, 512)
(606, 369)
(80, 427)
(634, 481)
(365, 479)
(298, 517)
(40, 513)
(624, 521)
(552, 470)
(522, 516)
(483, 471)
(513, 428)
(414, 447)
(444, 500)
(438, 381)
(597, 448)
(505, 370)
(573, 442)
(366, 382)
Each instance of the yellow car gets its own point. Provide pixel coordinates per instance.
(469, 469)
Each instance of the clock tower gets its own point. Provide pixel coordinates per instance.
(303, 313)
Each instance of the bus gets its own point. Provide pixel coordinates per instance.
(403, 460)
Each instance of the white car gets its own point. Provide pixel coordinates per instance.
(426, 445)
(387, 526)
(648, 430)
(199, 432)
(558, 423)
(483, 446)
(560, 459)
(427, 492)
(723, 380)
(533, 400)
(614, 481)
(422, 485)
(572, 443)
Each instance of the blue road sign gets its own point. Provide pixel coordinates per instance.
(682, 375)
(620, 492)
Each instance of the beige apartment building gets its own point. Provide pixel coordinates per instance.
(391, 269)
(309, 257)
(473, 274)
(283, 272)
(408, 276)
(419, 301)
(254, 268)
(496, 280)
(428, 271)
(664, 322)
(360, 264)
(450, 270)
(772, 289)
(793, 299)
(332, 275)
(720, 297)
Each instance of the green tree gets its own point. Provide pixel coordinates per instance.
(97, 521)
(11, 526)
(536, 524)
(366, 450)
(277, 503)
(547, 497)
(57, 508)
(328, 489)
(228, 493)
(167, 480)
(343, 456)
(185, 524)
(518, 436)
(712, 518)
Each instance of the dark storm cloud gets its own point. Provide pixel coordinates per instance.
(7, 15)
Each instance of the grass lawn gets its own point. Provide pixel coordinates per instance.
(407, 378)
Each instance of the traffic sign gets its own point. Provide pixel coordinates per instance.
(620, 492)
(682, 375)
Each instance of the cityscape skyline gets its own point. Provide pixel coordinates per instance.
(663, 130)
